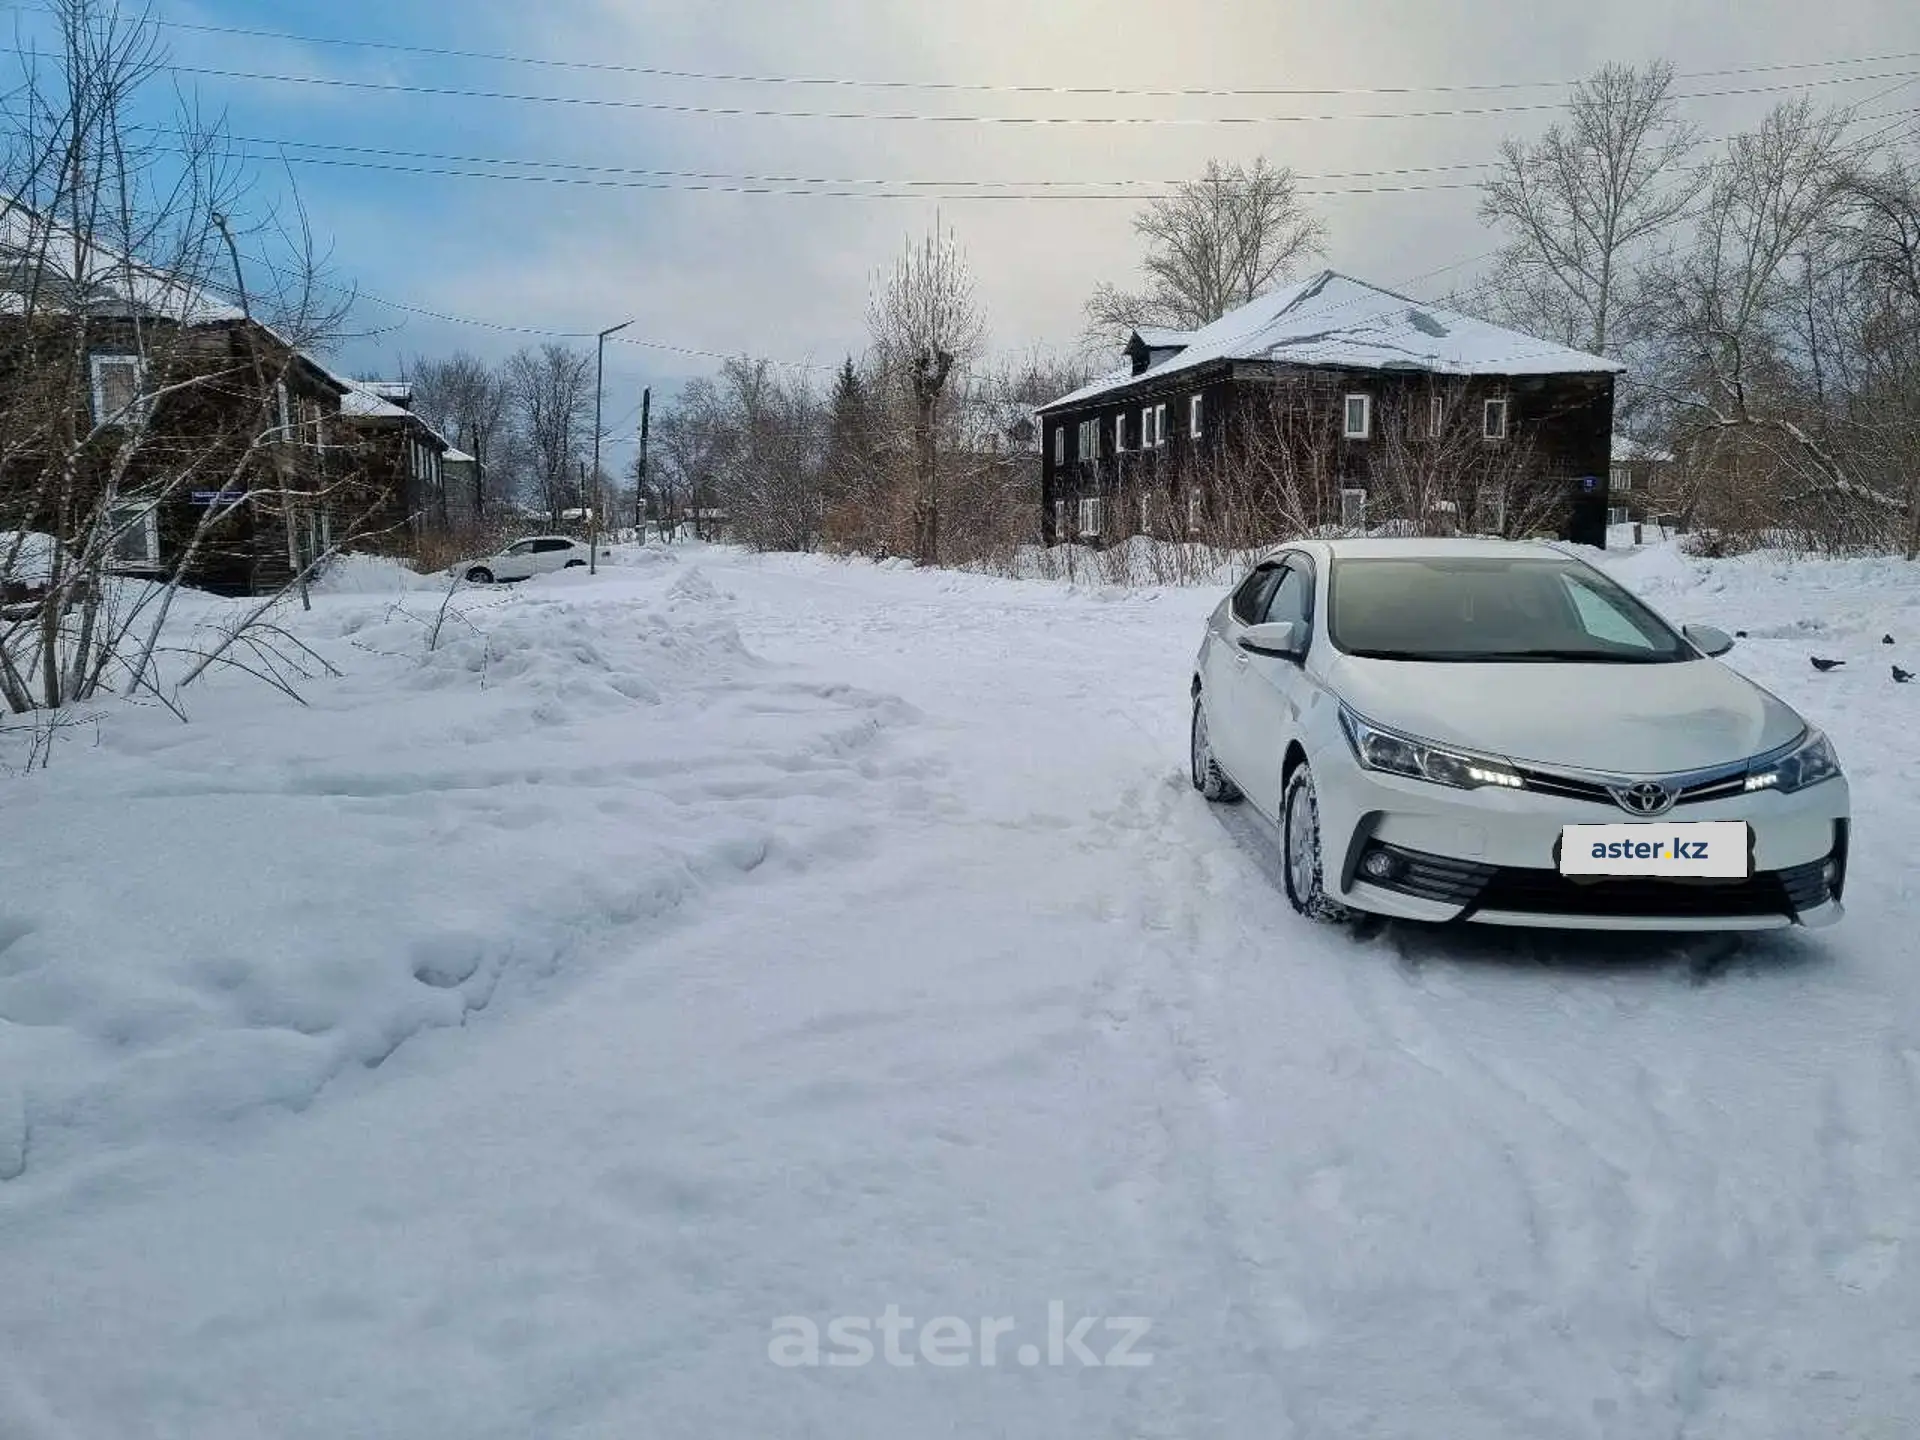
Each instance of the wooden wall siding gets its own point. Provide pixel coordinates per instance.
(207, 428)
(1565, 421)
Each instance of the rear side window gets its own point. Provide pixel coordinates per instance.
(550, 545)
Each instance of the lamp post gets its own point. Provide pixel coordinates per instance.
(599, 385)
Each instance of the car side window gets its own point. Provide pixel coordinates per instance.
(524, 547)
(1250, 600)
(1292, 598)
(550, 545)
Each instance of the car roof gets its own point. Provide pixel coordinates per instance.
(1416, 547)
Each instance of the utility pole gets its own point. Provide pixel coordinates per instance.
(599, 386)
(640, 476)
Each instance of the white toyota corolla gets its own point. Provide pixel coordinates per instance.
(1498, 732)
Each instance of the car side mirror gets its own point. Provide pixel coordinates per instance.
(1281, 639)
(1707, 639)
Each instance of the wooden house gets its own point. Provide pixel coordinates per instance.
(1333, 404)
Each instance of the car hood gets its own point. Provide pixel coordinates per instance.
(1619, 719)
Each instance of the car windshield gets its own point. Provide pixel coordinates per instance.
(1459, 608)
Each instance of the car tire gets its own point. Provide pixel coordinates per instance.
(1204, 771)
(479, 575)
(576, 565)
(1301, 866)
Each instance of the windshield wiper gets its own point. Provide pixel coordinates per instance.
(1496, 657)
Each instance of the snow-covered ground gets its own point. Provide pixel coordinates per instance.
(525, 1036)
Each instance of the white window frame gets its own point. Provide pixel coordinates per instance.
(1120, 433)
(1195, 428)
(1436, 417)
(1159, 425)
(136, 409)
(1619, 515)
(1060, 516)
(1488, 409)
(1353, 508)
(1089, 438)
(1621, 478)
(1092, 516)
(1365, 430)
(1147, 442)
(147, 527)
(1193, 510)
(1059, 444)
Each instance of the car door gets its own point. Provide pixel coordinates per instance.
(1271, 690)
(1223, 662)
(551, 553)
(516, 562)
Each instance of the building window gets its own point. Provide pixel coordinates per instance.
(1147, 442)
(135, 530)
(1059, 515)
(1159, 425)
(1493, 423)
(1617, 515)
(1436, 417)
(1059, 445)
(1490, 512)
(1353, 507)
(1359, 417)
(283, 412)
(1193, 511)
(1091, 518)
(1089, 440)
(119, 383)
(1120, 433)
(1194, 409)
(1622, 478)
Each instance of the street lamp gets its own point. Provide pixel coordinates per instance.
(599, 384)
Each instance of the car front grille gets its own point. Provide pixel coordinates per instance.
(1525, 891)
(1692, 789)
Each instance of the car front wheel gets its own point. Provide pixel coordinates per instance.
(1208, 778)
(576, 564)
(1300, 832)
(479, 575)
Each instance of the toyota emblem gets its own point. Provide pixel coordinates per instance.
(1649, 797)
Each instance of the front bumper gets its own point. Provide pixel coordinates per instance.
(1489, 856)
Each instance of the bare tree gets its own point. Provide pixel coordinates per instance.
(118, 247)
(551, 394)
(1583, 200)
(1213, 245)
(463, 397)
(925, 324)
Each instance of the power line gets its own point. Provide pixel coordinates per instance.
(957, 86)
(913, 117)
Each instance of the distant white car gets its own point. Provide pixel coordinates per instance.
(1494, 732)
(536, 555)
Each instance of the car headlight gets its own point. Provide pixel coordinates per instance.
(1808, 763)
(1392, 753)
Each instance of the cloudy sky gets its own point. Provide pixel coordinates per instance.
(786, 275)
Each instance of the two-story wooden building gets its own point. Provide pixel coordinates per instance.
(1332, 404)
(398, 459)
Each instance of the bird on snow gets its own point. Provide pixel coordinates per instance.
(1886, 639)
(1900, 677)
(1820, 664)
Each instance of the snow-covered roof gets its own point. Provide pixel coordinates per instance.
(94, 277)
(400, 392)
(364, 402)
(1629, 451)
(1335, 320)
(1156, 337)
(455, 456)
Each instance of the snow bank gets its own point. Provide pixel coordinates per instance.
(197, 922)
(352, 574)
